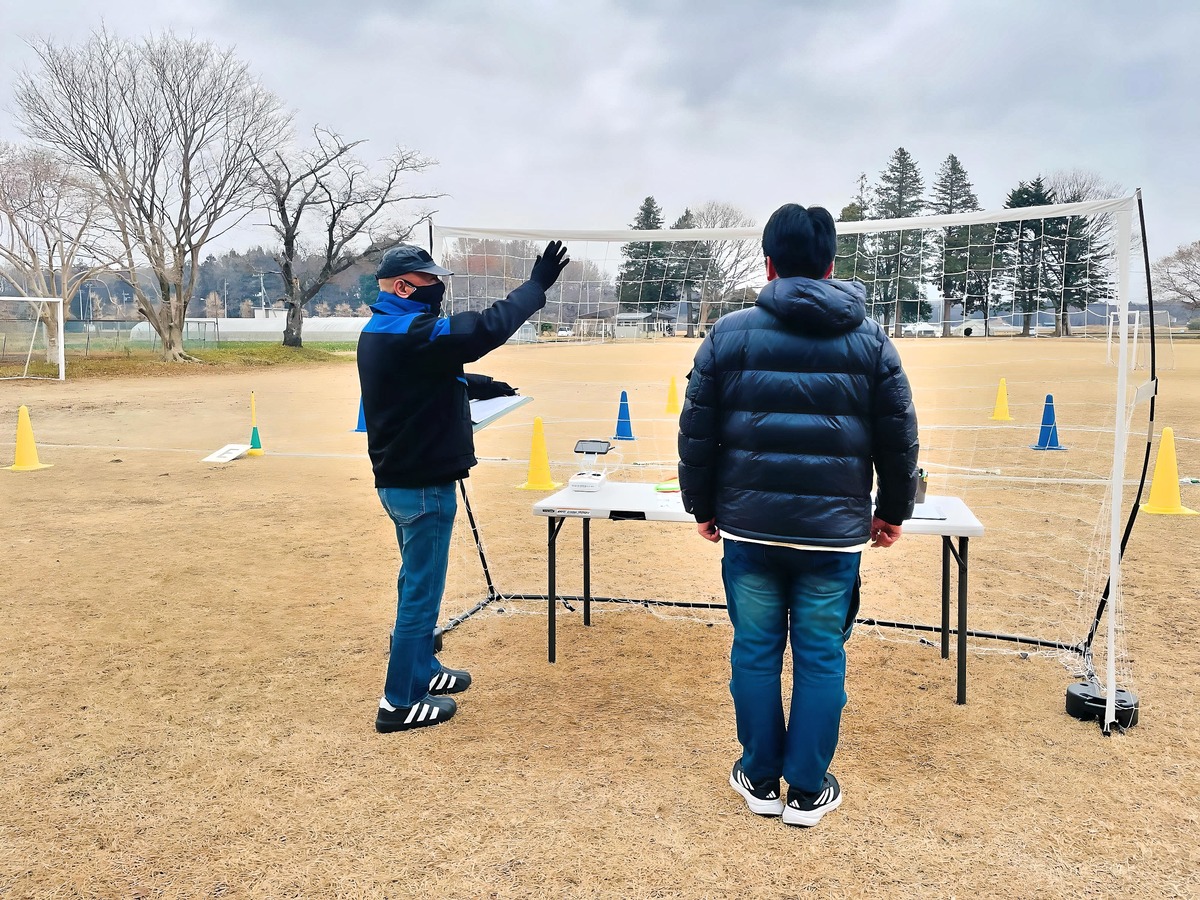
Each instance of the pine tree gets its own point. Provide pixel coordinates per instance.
(1080, 249)
(959, 279)
(642, 280)
(898, 253)
(855, 259)
(689, 264)
(1023, 245)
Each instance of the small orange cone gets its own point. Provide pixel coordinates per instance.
(539, 462)
(673, 407)
(256, 447)
(1164, 489)
(27, 456)
(1000, 412)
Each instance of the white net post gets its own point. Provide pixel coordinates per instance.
(28, 348)
(1116, 507)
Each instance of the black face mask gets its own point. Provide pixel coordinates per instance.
(429, 294)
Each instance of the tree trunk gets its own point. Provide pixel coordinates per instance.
(295, 322)
(50, 321)
(172, 338)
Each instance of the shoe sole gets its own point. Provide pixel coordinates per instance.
(392, 727)
(758, 807)
(809, 818)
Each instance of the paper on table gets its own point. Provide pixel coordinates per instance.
(927, 511)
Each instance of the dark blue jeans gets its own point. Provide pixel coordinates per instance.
(424, 520)
(776, 593)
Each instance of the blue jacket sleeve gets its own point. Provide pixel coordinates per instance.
(699, 437)
(464, 337)
(894, 445)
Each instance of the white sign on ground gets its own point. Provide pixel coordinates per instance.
(228, 453)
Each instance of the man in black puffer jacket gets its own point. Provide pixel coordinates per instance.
(416, 402)
(792, 405)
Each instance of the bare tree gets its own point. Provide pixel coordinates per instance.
(49, 219)
(1178, 275)
(734, 263)
(168, 127)
(327, 183)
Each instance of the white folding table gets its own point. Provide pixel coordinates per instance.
(946, 517)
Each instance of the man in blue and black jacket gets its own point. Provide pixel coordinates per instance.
(416, 402)
(792, 406)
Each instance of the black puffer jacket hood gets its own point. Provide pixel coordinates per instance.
(816, 307)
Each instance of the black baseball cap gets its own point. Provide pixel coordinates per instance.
(405, 258)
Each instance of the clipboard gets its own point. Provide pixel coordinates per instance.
(485, 412)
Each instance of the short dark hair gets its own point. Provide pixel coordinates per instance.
(800, 241)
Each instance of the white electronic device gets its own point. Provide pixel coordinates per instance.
(590, 478)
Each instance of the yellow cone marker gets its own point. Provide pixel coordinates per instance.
(256, 447)
(1000, 412)
(1164, 489)
(672, 398)
(27, 456)
(539, 462)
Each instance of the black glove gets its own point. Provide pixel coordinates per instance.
(482, 387)
(548, 266)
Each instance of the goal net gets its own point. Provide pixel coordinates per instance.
(1022, 414)
(31, 338)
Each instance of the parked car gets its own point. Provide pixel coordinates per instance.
(920, 329)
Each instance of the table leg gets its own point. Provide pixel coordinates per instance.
(945, 597)
(962, 619)
(551, 604)
(587, 572)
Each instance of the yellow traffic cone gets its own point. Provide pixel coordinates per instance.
(27, 457)
(256, 447)
(672, 399)
(1164, 489)
(1000, 412)
(539, 462)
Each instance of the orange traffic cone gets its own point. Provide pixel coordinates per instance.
(27, 455)
(1164, 489)
(673, 408)
(256, 447)
(1000, 411)
(539, 462)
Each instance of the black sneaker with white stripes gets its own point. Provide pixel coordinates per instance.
(763, 799)
(449, 681)
(427, 711)
(806, 809)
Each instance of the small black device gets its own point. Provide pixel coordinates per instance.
(595, 448)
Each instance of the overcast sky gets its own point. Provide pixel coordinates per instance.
(551, 114)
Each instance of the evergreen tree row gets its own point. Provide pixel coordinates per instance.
(1058, 264)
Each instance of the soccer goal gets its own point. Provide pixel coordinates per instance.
(1141, 324)
(1047, 575)
(32, 338)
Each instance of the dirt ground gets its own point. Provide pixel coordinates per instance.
(191, 655)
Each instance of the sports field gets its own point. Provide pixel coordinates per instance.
(191, 656)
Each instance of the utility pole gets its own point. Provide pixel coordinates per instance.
(226, 305)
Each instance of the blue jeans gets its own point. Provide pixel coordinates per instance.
(424, 520)
(774, 593)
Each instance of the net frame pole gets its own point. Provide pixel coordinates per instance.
(1124, 232)
(62, 343)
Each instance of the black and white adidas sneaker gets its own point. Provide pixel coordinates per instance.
(449, 681)
(425, 712)
(763, 799)
(806, 809)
